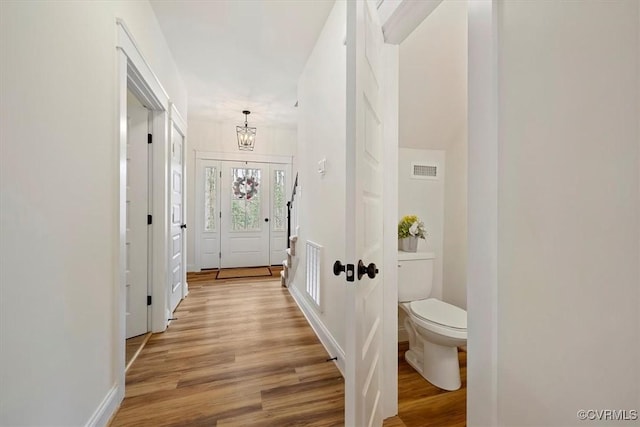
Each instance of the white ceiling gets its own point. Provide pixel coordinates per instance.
(242, 54)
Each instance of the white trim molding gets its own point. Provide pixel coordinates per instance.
(390, 93)
(400, 17)
(141, 71)
(107, 408)
(243, 157)
(135, 74)
(482, 265)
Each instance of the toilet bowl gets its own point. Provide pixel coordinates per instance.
(436, 329)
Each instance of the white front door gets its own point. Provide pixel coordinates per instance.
(364, 303)
(137, 248)
(177, 226)
(208, 215)
(245, 205)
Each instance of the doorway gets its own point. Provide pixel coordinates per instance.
(164, 120)
(137, 218)
(241, 214)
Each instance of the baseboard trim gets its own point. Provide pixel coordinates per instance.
(107, 408)
(323, 334)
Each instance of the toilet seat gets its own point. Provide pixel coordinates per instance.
(439, 317)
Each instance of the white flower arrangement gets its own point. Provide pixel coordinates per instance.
(411, 226)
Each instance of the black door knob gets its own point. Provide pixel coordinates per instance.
(266, 220)
(338, 268)
(370, 270)
(183, 226)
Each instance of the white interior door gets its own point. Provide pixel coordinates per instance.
(137, 247)
(363, 352)
(280, 193)
(208, 174)
(245, 214)
(177, 227)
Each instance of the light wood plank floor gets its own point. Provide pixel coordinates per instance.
(132, 348)
(241, 354)
(421, 404)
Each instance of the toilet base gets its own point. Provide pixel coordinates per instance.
(437, 364)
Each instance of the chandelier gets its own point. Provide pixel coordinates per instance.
(246, 134)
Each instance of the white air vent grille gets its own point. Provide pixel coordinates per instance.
(424, 171)
(313, 274)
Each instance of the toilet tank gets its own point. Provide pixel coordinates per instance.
(415, 275)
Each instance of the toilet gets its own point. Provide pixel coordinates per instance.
(436, 329)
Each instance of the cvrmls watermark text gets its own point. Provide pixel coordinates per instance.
(608, 414)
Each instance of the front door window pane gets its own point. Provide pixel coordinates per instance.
(210, 198)
(245, 199)
(279, 202)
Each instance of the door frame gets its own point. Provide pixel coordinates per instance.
(223, 157)
(134, 73)
(399, 20)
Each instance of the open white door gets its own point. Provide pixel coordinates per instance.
(363, 326)
(137, 245)
(177, 227)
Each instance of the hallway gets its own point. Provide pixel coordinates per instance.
(239, 353)
(203, 372)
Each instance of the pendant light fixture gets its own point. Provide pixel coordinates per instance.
(246, 134)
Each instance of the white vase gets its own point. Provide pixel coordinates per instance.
(408, 244)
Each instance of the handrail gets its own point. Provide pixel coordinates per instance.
(289, 206)
(295, 186)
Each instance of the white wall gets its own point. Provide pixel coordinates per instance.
(433, 76)
(454, 276)
(425, 198)
(59, 202)
(321, 134)
(433, 115)
(569, 210)
(212, 136)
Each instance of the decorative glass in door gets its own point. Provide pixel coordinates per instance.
(245, 199)
(279, 201)
(210, 178)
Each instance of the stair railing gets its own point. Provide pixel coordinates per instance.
(289, 208)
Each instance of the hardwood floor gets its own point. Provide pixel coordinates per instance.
(239, 354)
(242, 354)
(421, 404)
(133, 346)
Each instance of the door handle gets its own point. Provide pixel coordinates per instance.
(338, 268)
(266, 220)
(370, 270)
(183, 226)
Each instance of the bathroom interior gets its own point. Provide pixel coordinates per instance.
(432, 180)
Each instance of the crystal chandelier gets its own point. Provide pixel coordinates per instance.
(246, 134)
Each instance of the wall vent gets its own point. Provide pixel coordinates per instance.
(424, 171)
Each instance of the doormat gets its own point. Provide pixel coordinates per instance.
(236, 273)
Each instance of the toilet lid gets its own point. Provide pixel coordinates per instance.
(436, 311)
